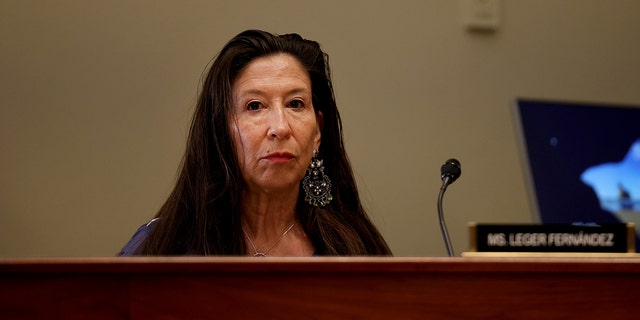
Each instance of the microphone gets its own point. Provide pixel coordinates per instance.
(449, 172)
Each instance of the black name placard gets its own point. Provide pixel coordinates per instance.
(608, 238)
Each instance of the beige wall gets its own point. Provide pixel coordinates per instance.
(96, 96)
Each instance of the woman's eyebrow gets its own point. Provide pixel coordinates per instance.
(261, 92)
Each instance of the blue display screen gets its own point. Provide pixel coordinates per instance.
(583, 160)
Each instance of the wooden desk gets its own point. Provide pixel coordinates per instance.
(319, 288)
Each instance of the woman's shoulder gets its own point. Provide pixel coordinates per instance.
(134, 245)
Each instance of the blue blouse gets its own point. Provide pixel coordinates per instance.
(132, 248)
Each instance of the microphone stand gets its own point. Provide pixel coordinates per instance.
(443, 226)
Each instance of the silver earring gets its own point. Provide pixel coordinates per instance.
(316, 184)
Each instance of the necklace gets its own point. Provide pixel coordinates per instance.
(264, 254)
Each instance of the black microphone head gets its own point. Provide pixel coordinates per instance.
(451, 169)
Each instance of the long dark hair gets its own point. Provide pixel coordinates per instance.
(202, 214)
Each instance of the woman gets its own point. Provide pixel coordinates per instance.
(265, 172)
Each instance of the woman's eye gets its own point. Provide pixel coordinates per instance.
(296, 104)
(253, 106)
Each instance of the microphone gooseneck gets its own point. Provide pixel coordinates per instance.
(449, 172)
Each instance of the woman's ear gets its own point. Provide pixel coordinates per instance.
(319, 126)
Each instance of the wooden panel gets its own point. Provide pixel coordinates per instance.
(362, 288)
(63, 297)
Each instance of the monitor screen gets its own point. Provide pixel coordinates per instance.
(582, 161)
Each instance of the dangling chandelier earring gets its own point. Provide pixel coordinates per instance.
(316, 184)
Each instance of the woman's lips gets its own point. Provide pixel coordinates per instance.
(279, 157)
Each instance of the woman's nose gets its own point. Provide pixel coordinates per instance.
(279, 127)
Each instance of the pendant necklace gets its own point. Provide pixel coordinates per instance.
(264, 254)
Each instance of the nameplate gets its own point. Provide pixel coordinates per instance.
(608, 238)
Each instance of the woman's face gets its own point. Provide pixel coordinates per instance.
(275, 128)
